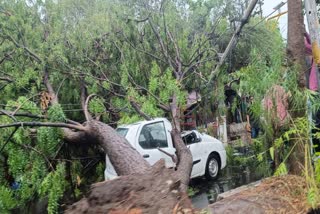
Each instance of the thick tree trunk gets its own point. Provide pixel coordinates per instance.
(175, 111)
(296, 55)
(184, 165)
(140, 188)
(155, 191)
(124, 158)
(296, 48)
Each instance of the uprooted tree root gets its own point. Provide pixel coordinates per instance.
(285, 194)
(157, 191)
(154, 193)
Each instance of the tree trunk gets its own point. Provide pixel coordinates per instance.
(155, 191)
(296, 48)
(175, 111)
(296, 56)
(140, 188)
(125, 159)
(184, 165)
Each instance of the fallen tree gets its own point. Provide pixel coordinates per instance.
(137, 185)
(147, 67)
(140, 187)
(158, 190)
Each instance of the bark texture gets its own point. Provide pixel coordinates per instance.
(296, 55)
(184, 161)
(296, 49)
(125, 159)
(156, 191)
(141, 188)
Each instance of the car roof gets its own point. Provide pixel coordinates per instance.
(143, 122)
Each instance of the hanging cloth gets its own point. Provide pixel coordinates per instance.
(313, 77)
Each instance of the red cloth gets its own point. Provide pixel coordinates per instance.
(276, 103)
(313, 79)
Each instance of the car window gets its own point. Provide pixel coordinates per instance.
(190, 138)
(153, 136)
(122, 131)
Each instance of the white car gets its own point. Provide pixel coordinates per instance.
(208, 153)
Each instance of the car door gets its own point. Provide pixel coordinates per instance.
(151, 137)
(193, 142)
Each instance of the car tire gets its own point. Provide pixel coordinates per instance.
(212, 167)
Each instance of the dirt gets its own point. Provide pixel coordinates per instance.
(285, 194)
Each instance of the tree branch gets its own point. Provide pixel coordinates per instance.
(164, 50)
(45, 124)
(85, 110)
(54, 98)
(35, 56)
(139, 87)
(69, 135)
(7, 79)
(164, 107)
(143, 51)
(178, 58)
(233, 40)
(173, 157)
(20, 106)
(83, 93)
(2, 87)
(6, 56)
(35, 150)
(10, 114)
(7, 141)
(138, 109)
(139, 20)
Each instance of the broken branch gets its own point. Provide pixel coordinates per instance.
(85, 110)
(45, 124)
(7, 141)
(137, 108)
(173, 157)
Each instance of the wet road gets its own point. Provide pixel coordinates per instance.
(206, 192)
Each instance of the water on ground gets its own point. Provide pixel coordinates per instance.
(206, 192)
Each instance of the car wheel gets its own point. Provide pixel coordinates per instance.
(213, 167)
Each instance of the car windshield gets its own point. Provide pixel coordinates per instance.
(122, 131)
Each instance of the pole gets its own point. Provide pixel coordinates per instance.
(313, 26)
(234, 39)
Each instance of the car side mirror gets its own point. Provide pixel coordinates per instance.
(198, 139)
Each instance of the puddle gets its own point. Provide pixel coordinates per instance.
(206, 192)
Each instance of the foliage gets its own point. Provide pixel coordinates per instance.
(256, 158)
(297, 135)
(192, 191)
(53, 186)
(96, 106)
(113, 49)
(7, 201)
(28, 168)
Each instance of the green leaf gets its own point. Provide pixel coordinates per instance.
(271, 150)
(281, 170)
